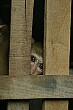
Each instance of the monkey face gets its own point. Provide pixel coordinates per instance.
(36, 65)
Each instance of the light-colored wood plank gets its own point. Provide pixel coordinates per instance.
(18, 105)
(20, 43)
(57, 36)
(31, 87)
(56, 105)
(57, 47)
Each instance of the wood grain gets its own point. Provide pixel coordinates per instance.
(57, 38)
(57, 44)
(31, 87)
(20, 44)
(19, 105)
(56, 104)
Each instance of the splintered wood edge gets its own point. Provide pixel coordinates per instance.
(31, 87)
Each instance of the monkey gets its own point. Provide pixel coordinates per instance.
(36, 58)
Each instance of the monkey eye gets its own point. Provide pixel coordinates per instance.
(41, 66)
(33, 58)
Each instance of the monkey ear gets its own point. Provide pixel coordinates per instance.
(32, 41)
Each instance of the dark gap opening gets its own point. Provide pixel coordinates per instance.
(37, 45)
(5, 16)
(71, 55)
(70, 104)
(5, 19)
(38, 20)
(5, 11)
(71, 42)
(3, 104)
(35, 104)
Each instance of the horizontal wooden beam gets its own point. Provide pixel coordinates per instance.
(31, 87)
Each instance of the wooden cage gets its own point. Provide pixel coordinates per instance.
(55, 87)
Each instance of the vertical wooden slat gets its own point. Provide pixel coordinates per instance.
(18, 105)
(57, 38)
(56, 105)
(20, 44)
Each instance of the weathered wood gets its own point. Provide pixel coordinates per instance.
(20, 43)
(57, 38)
(31, 87)
(18, 105)
(56, 105)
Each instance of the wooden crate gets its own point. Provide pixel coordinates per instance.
(55, 84)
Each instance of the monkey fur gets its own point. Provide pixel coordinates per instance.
(36, 58)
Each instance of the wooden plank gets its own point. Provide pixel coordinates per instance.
(18, 105)
(57, 38)
(31, 87)
(19, 48)
(60, 105)
(20, 43)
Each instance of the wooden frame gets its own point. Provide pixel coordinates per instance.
(18, 84)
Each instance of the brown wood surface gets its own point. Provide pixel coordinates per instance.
(20, 44)
(57, 44)
(56, 104)
(18, 105)
(31, 87)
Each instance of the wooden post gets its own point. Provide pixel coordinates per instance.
(57, 46)
(20, 44)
